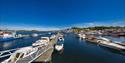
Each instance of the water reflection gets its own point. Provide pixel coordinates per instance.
(75, 51)
(17, 43)
(7, 45)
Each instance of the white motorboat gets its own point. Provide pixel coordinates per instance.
(7, 35)
(43, 41)
(34, 35)
(108, 43)
(112, 45)
(83, 36)
(59, 44)
(59, 47)
(20, 54)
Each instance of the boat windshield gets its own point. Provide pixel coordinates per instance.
(59, 43)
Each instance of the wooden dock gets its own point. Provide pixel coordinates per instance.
(46, 56)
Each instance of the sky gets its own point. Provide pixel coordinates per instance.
(59, 14)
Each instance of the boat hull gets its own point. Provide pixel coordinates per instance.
(59, 47)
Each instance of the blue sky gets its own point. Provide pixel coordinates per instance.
(57, 14)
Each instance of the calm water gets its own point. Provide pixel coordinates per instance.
(79, 51)
(27, 41)
(75, 50)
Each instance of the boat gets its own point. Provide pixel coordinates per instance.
(112, 45)
(82, 36)
(59, 44)
(102, 41)
(117, 34)
(59, 47)
(34, 35)
(42, 41)
(8, 35)
(21, 53)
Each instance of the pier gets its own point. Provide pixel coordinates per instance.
(46, 56)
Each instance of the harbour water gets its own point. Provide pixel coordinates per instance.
(75, 50)
(80, 51)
